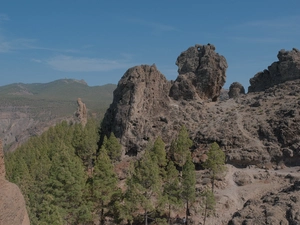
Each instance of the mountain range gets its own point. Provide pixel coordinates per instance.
(29, 109)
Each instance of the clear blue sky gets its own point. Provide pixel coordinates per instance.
(97, 40)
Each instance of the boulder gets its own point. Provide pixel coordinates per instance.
(235, 90)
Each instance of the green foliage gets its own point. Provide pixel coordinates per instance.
(215, 162)
(144, 184)
(52, 177)
(208, 203)
(104, 183)
(158, 152)
(45, 101)
(188, 180)
(65, 183)
(171, 189)
(113, 147)
(85, 142)
(180, 147)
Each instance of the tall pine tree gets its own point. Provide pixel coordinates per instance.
(215, 162)
(188, 184)
(104, 184)
(180, 147)
(145, 184)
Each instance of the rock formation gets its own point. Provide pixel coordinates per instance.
(146, 105)
(235, 90)
(139, 107)
(287, 68)
(201, 74)
(81, 113)
(260, 128)
(12, 203)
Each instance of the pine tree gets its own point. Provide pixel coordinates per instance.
(66, 183)
(171, 189)
(144, 184)
(188, 184)
(215, 162)
(209, 203)
(113, 147)
(85, 142)
(104, 183)
(180, 147)
(158, 152)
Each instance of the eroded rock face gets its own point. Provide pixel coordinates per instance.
(201, 74)
(12, 203)
(146, 105)
(287, 68)
(235, 90)
(139, 107)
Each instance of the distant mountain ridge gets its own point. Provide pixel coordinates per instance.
(28, 109)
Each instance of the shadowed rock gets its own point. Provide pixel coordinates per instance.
(235, 90)
(287, 68)
(201, 74)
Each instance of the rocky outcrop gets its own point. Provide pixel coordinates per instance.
(235, 90)
(201, 74)
(282, 207)
(12, 203)
(146, 105)
(260, 128)
(286, 69)
(139, 109)
(81, 113)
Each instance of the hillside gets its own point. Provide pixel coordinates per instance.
(188, 151)
(28, 109)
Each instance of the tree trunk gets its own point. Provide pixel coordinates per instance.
(187, 213)
(102, 214)
(205, 211)
(212, 184)
(146, 218)
(169, 220)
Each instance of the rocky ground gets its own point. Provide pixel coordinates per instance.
(256, 196)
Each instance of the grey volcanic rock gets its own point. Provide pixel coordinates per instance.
(273, 208)
(146, 105)
(260, 128)
(235, 90)
(286, 69)
(201, 74)
(139, 108)
(12, 203)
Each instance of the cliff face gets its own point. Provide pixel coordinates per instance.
(12, 203)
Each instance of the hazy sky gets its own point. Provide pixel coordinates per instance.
(95, 40)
